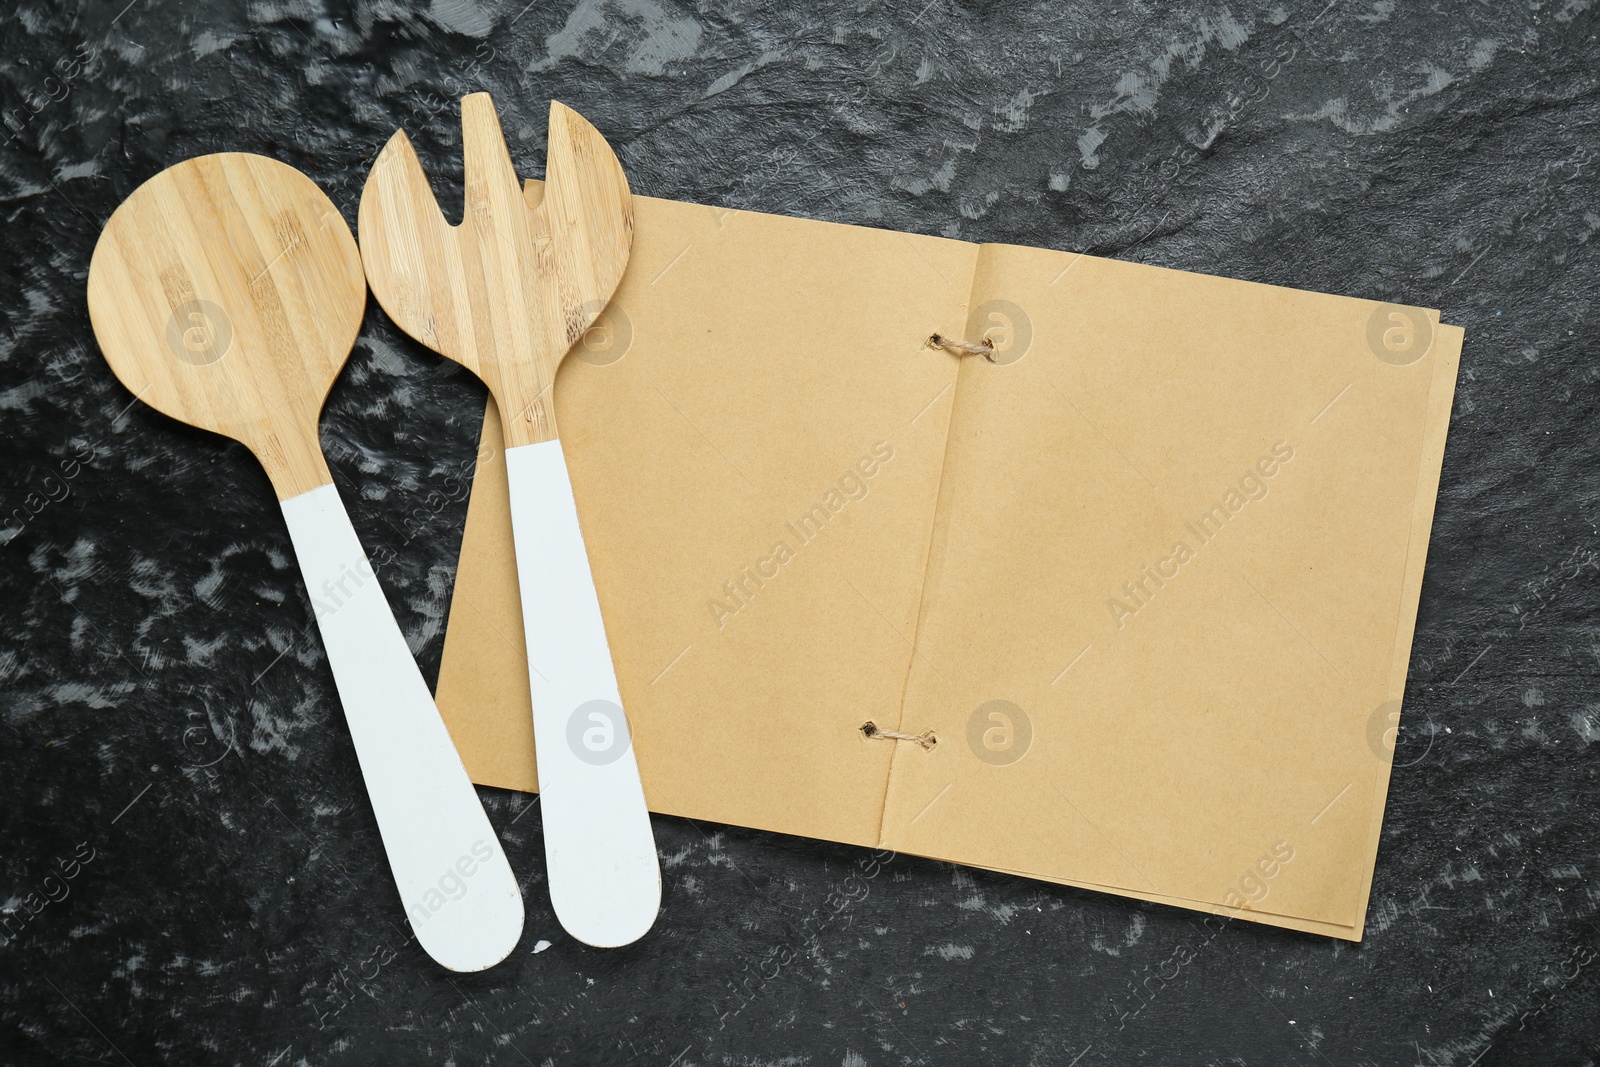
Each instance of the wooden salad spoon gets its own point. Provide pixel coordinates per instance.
(506, 294)
(226, 292)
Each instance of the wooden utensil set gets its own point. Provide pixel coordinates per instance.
(227, 292)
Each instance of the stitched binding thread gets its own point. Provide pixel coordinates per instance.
(984, 348)
(872, 730)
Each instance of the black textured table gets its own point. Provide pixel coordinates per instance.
(189, 869)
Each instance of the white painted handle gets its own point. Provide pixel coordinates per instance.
(455, 884)
(605, 880)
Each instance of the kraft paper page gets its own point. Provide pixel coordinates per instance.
(755, 436)
(1150, 577)
(1168, 570)
(1381, 725)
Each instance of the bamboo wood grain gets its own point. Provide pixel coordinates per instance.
(508, 291)
(227, 292)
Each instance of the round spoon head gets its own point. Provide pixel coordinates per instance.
(226, 292)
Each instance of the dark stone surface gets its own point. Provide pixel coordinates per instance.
(167, 705)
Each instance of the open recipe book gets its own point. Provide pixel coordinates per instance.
(1142, 588)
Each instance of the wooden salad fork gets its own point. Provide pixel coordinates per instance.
(226, 292)
(506, 294)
